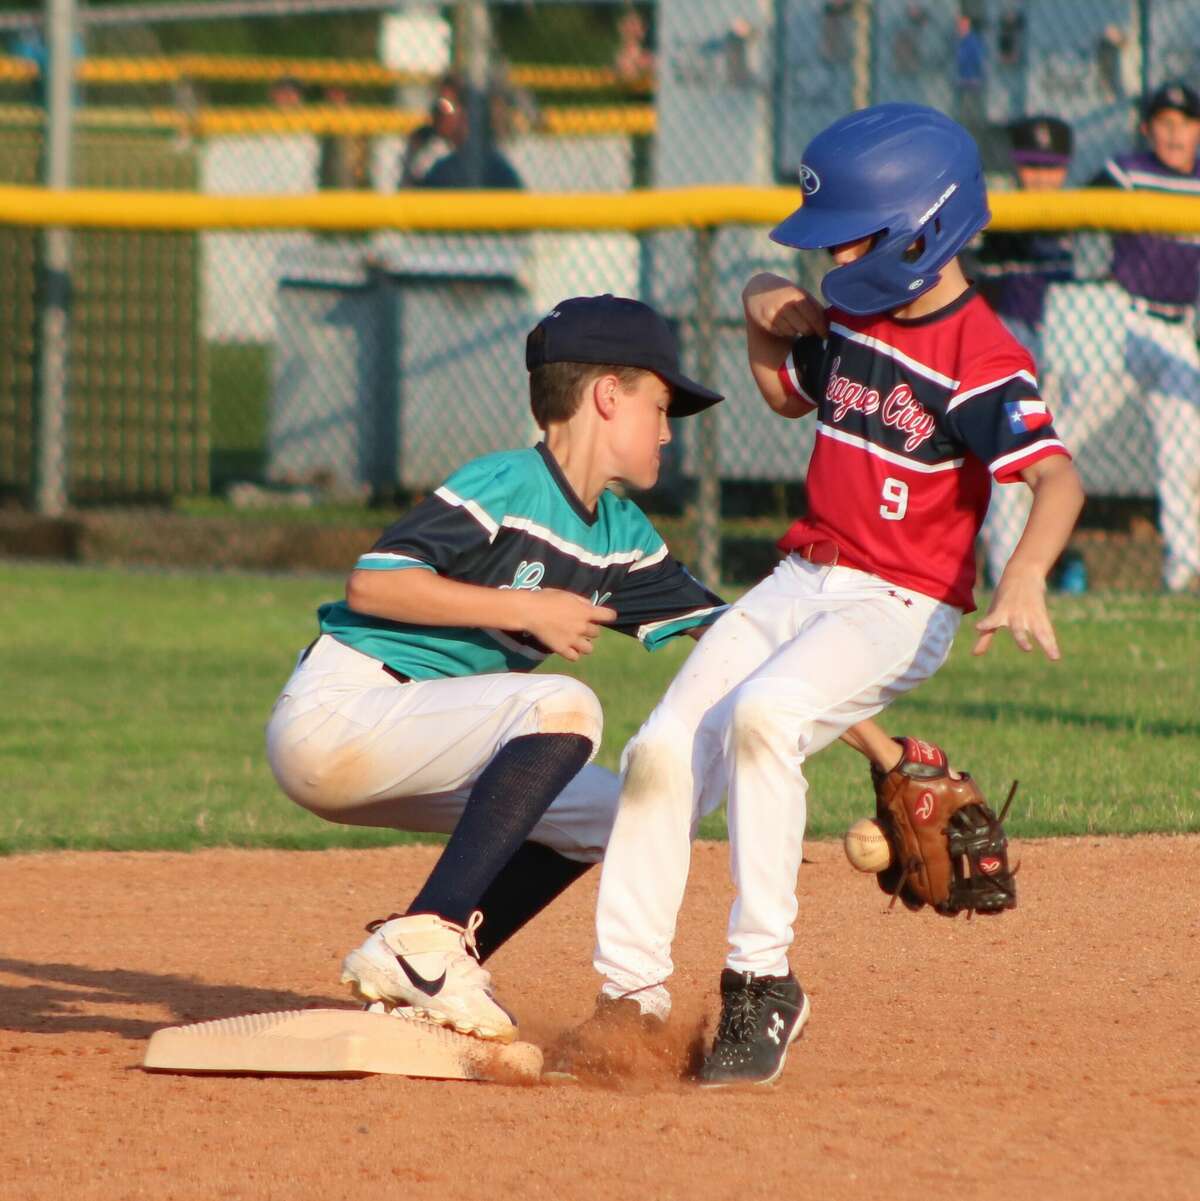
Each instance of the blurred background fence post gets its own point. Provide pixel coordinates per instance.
(708, 495)
(863, 41)
(473, 43)
(54, 283)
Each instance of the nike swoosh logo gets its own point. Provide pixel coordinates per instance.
(430, 988)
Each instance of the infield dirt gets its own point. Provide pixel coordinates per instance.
(1053, 1052)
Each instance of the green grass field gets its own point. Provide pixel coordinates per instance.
(135, 705)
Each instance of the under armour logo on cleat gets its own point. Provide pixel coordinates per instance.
(777, 1024)
(429, 987)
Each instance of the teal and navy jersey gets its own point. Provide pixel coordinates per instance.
(511, 520)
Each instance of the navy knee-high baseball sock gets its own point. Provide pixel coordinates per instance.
(508, 800)
(527, 883)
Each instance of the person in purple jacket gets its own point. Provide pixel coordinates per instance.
(1161, 275)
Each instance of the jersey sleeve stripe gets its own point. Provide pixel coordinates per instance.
(1118, 174)
(383, 560)
(888, 456)
(649, 560)
(534, 530)
(1013, 463)
(471, 507)
(658, 630)
(1163, 183)
(790, 378)
(891, 352)
(962, 397)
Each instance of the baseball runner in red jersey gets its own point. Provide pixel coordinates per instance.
(921, 398)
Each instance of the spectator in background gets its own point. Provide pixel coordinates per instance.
(908, 46)
(286, 93)
(30, 45)
(1160, 274)
(443, 133)
(970, 66)
(633, 62)
(472, 149)
(1013, 272)
(837, 32)
(1010, 37)
(1109, 49)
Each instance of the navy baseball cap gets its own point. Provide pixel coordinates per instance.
(1174, 95)
(1041, 142)
(618, 332)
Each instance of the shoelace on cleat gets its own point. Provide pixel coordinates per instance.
(467, 932)
(741, 1013)
(473, 971)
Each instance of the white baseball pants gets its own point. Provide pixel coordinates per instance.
(798, 660)
(1162, 357)
(354, 745)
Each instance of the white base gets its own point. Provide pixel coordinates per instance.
(337, 1042)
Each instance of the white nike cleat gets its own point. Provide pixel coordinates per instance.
(431, 966)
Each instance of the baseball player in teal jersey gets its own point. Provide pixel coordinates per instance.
(415, 709)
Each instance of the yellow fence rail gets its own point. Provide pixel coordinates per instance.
(362, 119)
(212, 68)
(706, 207)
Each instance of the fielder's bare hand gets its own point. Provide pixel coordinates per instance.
(1020, 601)
(1019, 606)
(566, 623)
(779, 308)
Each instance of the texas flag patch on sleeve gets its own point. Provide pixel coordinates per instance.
(1026, 415)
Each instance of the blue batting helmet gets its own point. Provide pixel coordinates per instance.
(903, 171)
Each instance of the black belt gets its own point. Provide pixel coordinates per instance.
(398, 676)
(1172, 314)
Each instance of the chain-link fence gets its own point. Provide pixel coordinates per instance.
(223, 370)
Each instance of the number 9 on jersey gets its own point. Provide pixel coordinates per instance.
(895, 499)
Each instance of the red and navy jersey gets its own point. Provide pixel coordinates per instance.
(914, 419)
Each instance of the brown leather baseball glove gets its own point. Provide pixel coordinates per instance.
(949, 849)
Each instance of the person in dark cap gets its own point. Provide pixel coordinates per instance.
(1014, 270)
(1160, 273)
(1041, 151)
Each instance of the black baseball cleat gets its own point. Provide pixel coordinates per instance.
(760, 1017)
